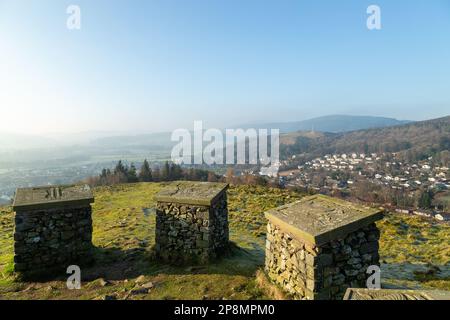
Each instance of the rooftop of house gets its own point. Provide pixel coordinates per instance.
(194, 193)
(52, 196)
(320, 219)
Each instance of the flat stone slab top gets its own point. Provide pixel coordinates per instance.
(320, 219)
(387, 294)
(52, 196)
(196, 193)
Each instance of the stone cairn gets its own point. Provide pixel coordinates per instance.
(191, 222)
(53, 228)
(319, 246)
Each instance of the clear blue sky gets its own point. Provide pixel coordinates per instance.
(161, 64)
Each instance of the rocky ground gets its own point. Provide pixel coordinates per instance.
(415, 252)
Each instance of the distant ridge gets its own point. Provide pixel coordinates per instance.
(332, 123)
(11, 141)
(418, 139)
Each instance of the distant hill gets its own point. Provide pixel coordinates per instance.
(151, 139)
(14, 141)
(332, 123)
(416, 140)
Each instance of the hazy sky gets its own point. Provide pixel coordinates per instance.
(157, 65)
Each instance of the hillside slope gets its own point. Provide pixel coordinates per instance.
(416, 140)
(332, 123)
(412, 249)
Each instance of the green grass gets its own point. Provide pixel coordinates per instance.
(6, 246)
(124, 237)
(415, 252)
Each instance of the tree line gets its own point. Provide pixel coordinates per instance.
(169, 171)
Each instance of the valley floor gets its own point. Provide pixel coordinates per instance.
(415, 252)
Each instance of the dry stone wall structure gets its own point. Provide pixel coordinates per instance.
(318, 247)
(191, 222)
(53, 228)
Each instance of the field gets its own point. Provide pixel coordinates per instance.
(415, 252)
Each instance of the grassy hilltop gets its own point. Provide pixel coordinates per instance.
(414, 251)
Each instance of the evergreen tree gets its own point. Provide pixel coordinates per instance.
(191, 174)
(165, 172)
(176, 172)
(425, 200)
(120, 168)
(120, 174)
(145, 174)
(156, 174)
(132, 174)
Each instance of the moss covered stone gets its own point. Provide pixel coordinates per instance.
(191, 222)
(318, 247)
(53, 228)
(319, 219)
(193, 193)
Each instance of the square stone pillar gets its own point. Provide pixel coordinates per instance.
(191, 222)
(319, 246)
(53, 228)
